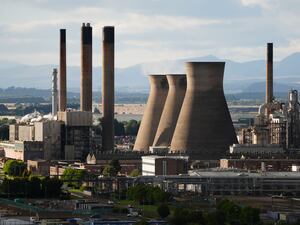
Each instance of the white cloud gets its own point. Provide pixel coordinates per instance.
(262, 3)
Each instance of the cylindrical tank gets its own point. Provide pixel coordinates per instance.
(86, 68)
(168, 120)
(108, 88)
(62, 72)
(204, 128)
(154, 107)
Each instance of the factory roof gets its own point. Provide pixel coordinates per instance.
(232, 174)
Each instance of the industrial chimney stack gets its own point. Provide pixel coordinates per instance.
(54, 92)
(62, 72)
(269, 80)
(108, 89)
(86, 68)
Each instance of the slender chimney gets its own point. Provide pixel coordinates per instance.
(54, 92)
(108, 89)
(269, 81)
(86, 68)
(62, 72)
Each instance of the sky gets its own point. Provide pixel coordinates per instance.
(149, 30)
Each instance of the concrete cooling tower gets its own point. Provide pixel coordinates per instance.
(168, 120)
(155, 104)
(204, 128)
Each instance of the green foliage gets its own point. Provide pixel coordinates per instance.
(142, 222)
(32, 187)
(230, 210)
(185, 216)
(119, 128)
(144, 194)
(250, 216)
(163, 210)
(15, 168)
(109, 171)
(112, 169)
(77, 175)
(131, 127)
(135, 173)
(51, 187)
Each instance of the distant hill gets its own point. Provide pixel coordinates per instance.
(239, 77)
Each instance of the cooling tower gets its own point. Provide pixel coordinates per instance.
(86, 68)
(269, 80)
(168, 120)
(108, 88)
(204, 128)
(155, 104)
(62, 72)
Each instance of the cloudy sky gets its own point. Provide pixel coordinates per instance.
(149, 30)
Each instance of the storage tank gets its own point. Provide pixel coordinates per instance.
(204, 128)
(168, 120)
(151, 117)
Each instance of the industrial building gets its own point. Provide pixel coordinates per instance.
(67, 134)
(277, 123)
(153, 165)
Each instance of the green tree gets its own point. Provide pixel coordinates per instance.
(112, 169)
(250, 216)
(15, 168)
(109, 171)
(131, 127)
(163, 210)
(135, 173)
(116, 165)
(142, 222)
(73, 177)
(51, 187)
(34, 187)
(119, 128)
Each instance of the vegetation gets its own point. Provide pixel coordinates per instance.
(112, 169)
(33, 187)
(73, 174)
(226, 213)
(135, 173)
(125, 128)
(147, 195)
(163, 210)
(15, 168)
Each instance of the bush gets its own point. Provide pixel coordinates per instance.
(144, 194)
(163, 210)
(15, 168)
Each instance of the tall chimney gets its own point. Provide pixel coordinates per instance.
(62, 72)
(269, 81)
(86, 68)
(54, 92)
(108, 89)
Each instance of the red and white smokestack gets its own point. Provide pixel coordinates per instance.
(269, 80)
